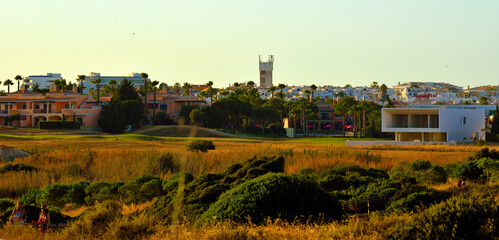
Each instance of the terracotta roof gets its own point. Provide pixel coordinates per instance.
(22, 92)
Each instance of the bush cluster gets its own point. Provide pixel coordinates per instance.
(200, 146)
(18, 167)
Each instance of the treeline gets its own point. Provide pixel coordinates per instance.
(244, 109)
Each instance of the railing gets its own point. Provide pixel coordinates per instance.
(365, 207)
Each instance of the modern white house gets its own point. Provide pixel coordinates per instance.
(436, 123)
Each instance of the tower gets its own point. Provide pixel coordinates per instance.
(266, 71)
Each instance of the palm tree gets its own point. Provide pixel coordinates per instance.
(97, 82)
(154, 88)
(8, 83)
(18, 78)
(112, 86)
(313, 88)
(251, 84)
(35, 87)
(145, 76)
(272, 90)
(210, 84)
(177, 87)
(186, 87)
(307, 93)
(81, 78)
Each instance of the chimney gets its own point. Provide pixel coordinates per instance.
(75, 88)
(52, 88)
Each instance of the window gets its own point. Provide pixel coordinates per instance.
(10, 106)
(80, 119)
(37, 106)
(67, 105)
(463, 120)
(23, 118)
(163, 107)
(24, 105)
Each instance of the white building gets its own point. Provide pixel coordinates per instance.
(43, 80)
(134, 78)
(436, 123)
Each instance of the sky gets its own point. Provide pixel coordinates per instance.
(322, 42)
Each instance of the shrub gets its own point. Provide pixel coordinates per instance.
(457, 218)
(470, 171)
(195, 196)
(142, 189)
(422, 170)
(59, 125)
(101, 191)
(274, 195)
(162, 118)
(200, 146)
(18, 167)
(32, 197)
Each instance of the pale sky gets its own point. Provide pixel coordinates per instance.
(322, 42)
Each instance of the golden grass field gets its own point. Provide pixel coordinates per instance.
(120, 157)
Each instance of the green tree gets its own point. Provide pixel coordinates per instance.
(495, 121)
(8, 83)
(197, 117)
(272, 89)
(313, 88)
(251, 84)
(383, 89)
(14, 117)
(484, 100)
(344, 106)
(81, 79)
(187, 86)
(35, 87)
(97, 83)
(177, 88)
(125, 108)
(210, 85)
(145, 76)
(154, 88)
(18, 78)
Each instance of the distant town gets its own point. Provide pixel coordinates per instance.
(36, 98)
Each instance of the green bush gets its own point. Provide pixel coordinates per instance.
(18, 167)
(200, 146)
(274, 195)
(32, 197)
(142, 189)
(470, 171)
(59, 125)
(195, 196)
(423, 171)
(468, 217)
(102, 191)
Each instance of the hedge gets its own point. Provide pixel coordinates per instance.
(59, 125)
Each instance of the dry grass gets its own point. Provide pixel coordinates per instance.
(107, 160)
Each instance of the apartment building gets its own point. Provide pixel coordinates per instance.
(34, 107)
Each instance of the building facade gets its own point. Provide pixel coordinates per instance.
(44, 81)
(434, 123)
